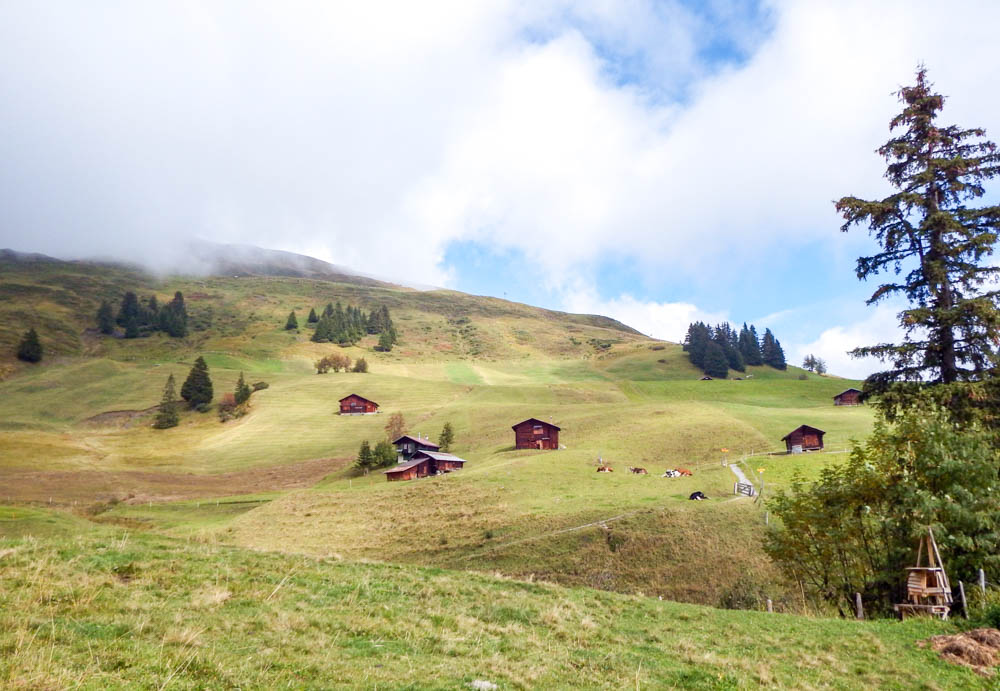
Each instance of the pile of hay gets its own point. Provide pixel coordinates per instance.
(978, 649)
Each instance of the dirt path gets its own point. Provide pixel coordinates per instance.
(740, 475)
(83, 486)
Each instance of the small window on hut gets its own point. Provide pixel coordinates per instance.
(537, 429)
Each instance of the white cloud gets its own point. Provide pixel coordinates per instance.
(833, 344)
(668, 321)
(376, 134)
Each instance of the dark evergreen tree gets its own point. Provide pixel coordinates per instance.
(361, 365)
(696, 342)
(716, 364)
(937, 242)
(312, 316)
(726, 337)
(177, 321)
(366, 459)
(30, 348)
(328, 310)
(129, 309)
(292, 322)
(197, 388)
(167, 415)
(242, 391)
(749, 346)
(105, 318)
(447, 437)
(771, 351)
(384, 342)
(132, 328)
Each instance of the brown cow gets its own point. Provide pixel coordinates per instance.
(637, 471)
(605, 469)
(683, 471)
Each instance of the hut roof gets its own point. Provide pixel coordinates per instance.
(535, 419)
(354, 395)
(418, 440)
(804, 428)
(847, 391)
(404, 466)
(439, 456)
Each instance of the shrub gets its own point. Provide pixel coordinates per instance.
(260, 385)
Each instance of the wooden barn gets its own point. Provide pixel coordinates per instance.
(408, 446)
(535, 434)
(804, 438)
(848, 397)
(357, 405)
(424, 464)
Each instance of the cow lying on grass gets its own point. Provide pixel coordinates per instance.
(697, 496)
(605, 469)
(637, 471)
(677, 472)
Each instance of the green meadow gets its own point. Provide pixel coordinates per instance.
(150, 557)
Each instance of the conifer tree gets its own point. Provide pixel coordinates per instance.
(366, 459)
(197, 388)
(242, 392)
(447, 437)
(716, 364)
(132, 328)
(177, 325)
(384, 342)
(129, 309)
(930, 236)
(105, 318)
(696, 342)
(749, 346)
(771, 351)
(312, 316)
(292, 322)
(30, 348)
(167, 416)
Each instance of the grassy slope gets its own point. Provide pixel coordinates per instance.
(108, 609)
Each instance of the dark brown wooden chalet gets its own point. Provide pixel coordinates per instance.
(804, 438)
(357, 405)
(408, 446)
(535, 434)
(423, 464)
(848, 397)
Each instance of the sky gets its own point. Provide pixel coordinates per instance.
(657, 162)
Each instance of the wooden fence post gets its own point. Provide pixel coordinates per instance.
(860, 608)
(770, 605)
(961, 598)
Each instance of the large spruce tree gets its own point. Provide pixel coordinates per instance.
(771, 351)
(197, 388)
(30, 348)
(716, 364)
(167, 415)
(934, 244)
(292, 323)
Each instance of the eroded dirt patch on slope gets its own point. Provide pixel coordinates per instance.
(81, 486)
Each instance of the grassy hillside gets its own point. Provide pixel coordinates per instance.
(112, 609)
(75, 432)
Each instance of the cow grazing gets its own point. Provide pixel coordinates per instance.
(605, 469)
(697, 496)
(637, 471)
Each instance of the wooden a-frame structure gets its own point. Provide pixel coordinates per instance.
(927, 588)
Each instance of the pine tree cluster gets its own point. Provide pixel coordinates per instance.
(144, 317)
(717, 350)
(347, 326)
(384, 454)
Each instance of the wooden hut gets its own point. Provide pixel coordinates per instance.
(423, 464)
(357, 405)
(407, 446)
(848, 397)
(927, 588)
(804, 438)
(535, 434)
